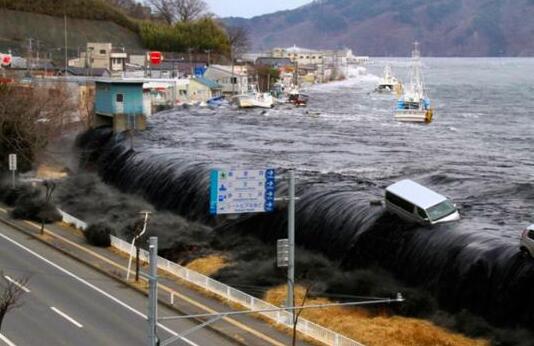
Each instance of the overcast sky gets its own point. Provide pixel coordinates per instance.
(251, 8)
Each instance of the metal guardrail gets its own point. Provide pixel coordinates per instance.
(308, 328)
(224, 291)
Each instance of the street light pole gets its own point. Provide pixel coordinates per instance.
(146, 212)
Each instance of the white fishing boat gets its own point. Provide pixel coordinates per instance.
(254, 99)
(414, 105)
(389, 83)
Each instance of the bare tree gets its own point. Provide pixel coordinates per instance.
(30, 117)
(165, 8)
(188, 10)
(238, 39)
(179, 10)
(10, 293)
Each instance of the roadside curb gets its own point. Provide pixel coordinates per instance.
(6, 220)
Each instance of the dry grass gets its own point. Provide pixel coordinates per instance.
(371, 329)
(208, 265)
(46, 171)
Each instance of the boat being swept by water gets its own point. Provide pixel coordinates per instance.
(414, 104)
(389, 83)
(254, 99)
(297, 98)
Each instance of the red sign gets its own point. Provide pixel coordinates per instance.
(155, 58)
(5, 59)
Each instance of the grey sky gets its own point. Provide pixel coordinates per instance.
(251, 8)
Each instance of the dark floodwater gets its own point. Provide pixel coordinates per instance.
(478, 149)
(346, 147)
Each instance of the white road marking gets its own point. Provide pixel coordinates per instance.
(6, 340)
(65, 316)
(25, 289)
(74, 276)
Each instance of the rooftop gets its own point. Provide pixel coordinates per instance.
(208, 82)
(416, 193)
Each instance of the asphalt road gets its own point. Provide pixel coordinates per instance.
(69, 303)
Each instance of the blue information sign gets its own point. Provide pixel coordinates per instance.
(242, 191)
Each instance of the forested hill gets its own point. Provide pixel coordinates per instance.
(388, 27)
(42, 21)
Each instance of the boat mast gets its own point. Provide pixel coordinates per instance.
(416, 83)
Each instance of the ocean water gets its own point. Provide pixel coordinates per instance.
(478, 149)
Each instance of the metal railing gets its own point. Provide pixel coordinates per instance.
(308, 328)
(233, 295)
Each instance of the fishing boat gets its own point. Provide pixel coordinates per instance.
(414, 104)
(389, 83)
(297, 98)
(254, 99)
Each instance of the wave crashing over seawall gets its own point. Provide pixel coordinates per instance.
(463, 269)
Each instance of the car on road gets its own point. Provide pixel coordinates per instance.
(418, 204)
(526, 244)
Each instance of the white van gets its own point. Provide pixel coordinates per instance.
(416, 203)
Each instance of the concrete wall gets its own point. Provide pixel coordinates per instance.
(123, 122)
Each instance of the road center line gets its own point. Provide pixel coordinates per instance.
(83, 281)
(65, 316)
(6, 340)
(25, 289)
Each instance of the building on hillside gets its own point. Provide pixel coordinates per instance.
(232, 80)
(103, 56)
(202, 89)
(123, 104)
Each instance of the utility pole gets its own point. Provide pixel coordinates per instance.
(66, 44)
(190, 50)
(29, 57)
(209, 56)
(152, 291)
(291, 241)
(233, 80)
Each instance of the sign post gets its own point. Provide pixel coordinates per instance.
(13, 167)
(242, 191)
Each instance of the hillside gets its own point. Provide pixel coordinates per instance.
(16, 27)
(100, 21)
(388, 27)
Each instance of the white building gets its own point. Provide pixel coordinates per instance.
(232, 81)
(101, 55)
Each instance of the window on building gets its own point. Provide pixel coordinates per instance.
(233, 80)
(302, 57)
(102, 51)
(120, 98)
